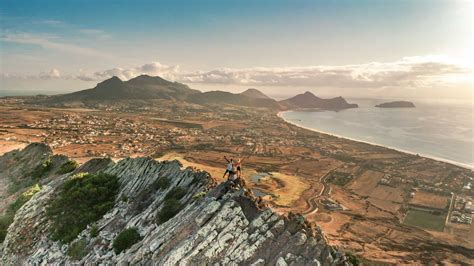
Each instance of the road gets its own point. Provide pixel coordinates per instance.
(312, 202)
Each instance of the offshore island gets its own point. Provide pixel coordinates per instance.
(377, 204)
(396, 104)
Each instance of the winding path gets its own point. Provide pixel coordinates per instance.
(313, 201)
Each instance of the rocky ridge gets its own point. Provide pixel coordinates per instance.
(217, 225)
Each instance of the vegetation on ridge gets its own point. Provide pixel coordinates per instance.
(172, 205)
(84, 198)
(126, 239)
(67, 167)
(7, 218)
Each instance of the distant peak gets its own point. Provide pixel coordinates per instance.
(111, 80)
(148, 79)
(252, 89)
(308, 93)
(114, 78)
(254, 93)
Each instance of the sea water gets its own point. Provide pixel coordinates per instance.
(437, 129)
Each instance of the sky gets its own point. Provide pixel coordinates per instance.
(373, 49)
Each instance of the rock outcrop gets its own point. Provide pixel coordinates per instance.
(218, 224)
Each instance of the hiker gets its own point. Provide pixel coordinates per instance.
(230, 166)
(238, 165)
(235, 180)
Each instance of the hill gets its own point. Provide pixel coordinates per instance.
(254, 93)
(155, 213)
(223, 97)
(143, 87)
(309, 100)
(142, 90)
(396, 104)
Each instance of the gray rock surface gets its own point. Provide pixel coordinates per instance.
(224, 227)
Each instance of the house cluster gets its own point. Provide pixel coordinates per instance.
(463, 210)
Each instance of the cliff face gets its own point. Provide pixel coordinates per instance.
(217, 224)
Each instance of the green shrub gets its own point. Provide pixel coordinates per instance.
(199, 195)
(353, 259)
(94, 231)
(170, 209)
(67, 167)
(9, 215)
(77, 250)
(41, 169)
(84, 198)
(126, 239)
(161, 183)
(176, 193)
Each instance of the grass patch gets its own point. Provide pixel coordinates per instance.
(9, 215)
(67, 167)
(340, 179)
(84, 198)
(77, 250)
(425, 220)
(126, 239)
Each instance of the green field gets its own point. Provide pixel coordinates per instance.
(425, 220)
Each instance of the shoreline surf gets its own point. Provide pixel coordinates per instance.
(459, 164)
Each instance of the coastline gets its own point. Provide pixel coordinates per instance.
(458, 164)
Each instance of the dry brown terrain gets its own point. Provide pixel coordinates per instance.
(308, 170)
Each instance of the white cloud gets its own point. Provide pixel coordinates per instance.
(52, 74)
(152, 69)
(409, 72)
(51, 42)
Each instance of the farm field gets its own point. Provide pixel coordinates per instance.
(425, 220)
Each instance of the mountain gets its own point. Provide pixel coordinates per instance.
(143, 87)
(396, 104)
(159, 214)
(309, 100)
(223, 97)
(254, 93)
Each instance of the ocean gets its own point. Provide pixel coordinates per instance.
(441, 130)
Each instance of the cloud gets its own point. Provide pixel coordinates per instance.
(51, 43)
(52, 74)
(407, 72)
(152, 69)
(424, 72)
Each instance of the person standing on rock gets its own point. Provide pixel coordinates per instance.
(230, 166)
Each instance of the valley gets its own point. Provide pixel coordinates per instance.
(358, 194)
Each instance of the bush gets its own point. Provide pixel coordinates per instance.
(176, 193)
(67, 167)
(199, 195)
(353, 259)
(170, 209)
(161, 183)
(126, 239)
(41, 169)
(77, 250)
(94, 231)
(9, 215)
(84, 198)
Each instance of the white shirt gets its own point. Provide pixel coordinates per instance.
(230, 166)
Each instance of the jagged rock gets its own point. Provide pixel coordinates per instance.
(225, 227)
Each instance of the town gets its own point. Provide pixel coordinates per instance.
(342, 185)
